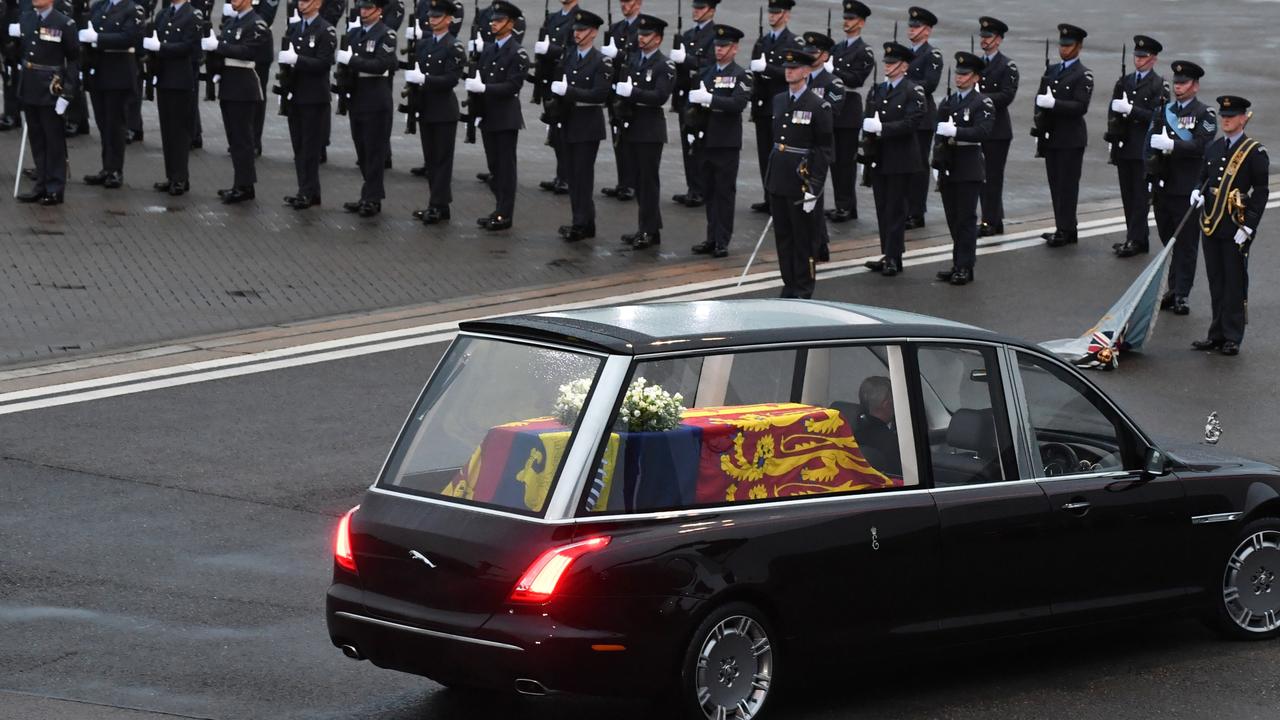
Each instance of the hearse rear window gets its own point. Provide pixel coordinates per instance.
(753, 426)
(491, 428)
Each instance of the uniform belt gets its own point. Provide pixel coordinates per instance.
(967, 142)
(246, 64)
(130, 51)
(46, 68)
(789, 149)
(371, 75)
(581, 105)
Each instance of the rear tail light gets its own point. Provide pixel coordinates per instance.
(538, 584)
(342, 553)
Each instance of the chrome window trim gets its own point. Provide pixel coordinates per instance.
(428, 633)
(592, 428)
(902, 409)
(1216, 518)
(1015, 403)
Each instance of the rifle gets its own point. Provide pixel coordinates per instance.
(410, 92)
(943, 148)
(474, 101)
(971, 45)
(869, 147)
(759, 93)
(684, 73)
(343, 77)
(895, 31)
(1117, 124)
(148, 65)
(543, 66)
(213, 63)
(88, 53)
(828, 22)
(284, 80)
(1041, 119)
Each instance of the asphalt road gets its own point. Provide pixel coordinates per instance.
(168, 551)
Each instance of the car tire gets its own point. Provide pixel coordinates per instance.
(729, 663)
(1246, 589)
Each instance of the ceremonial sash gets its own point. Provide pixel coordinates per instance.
(1214, 212)
(1171, 119)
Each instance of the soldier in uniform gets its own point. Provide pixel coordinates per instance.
(556, 37)
(999, 83)
(440, 65)
(716, 106)
(1235, 174)
(895, 109)
(1134, 100)
(619, 44)
(175, 42)
(50, 54)
(925, 71)
(10, 52)
(692, 55)
(496, 86)
(481, 35)
(797, 171)
(579, 98)
(853, 62)
(372, 59)
(115, 29)
(770, 79)
(829, 87)
(266, 10)
(240, 43)
(644, 90)
(1180, 132)
(967, 119)
(312, 44)
(1061, 105)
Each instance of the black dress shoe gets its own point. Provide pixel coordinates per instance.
(302, 202)
(1166, 302)
(29, 197)
(625, 194)
(891, 267)
(823, 254)
(162, 186)
(1180, 306)
(1058, 240)
(1050, 236)
(497, 222)
(579, 232)
(132, 136)
(761, 207)
(705, 247)
(840, 215)
(874, 265)
(1207, 344)
(482, 221)
(9, 122)
(915, 222)
(29, 173)
(113, 181)
(238, 195)
(610, 191)
(1129, 249)
(97, 179)
(352, 207)
(180, 188)
(71, 130)
(989, 229)
(720, 252)
(420, 171)
(548, 185)
(435, 214)
(324, 155)
(630, 238)
(680, 198)
(483, 177)
(694, 200)
(945, 275)
(647, 240)
(1230, 347)
(371, 208)
(51, 199)
(962, 276)
(224, 193)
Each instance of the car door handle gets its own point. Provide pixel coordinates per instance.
(1079, 507)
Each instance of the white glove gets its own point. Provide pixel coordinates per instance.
(609, 50)
(935, 174)
(1046, 101)
(60, 106)
(151, 44)
(872, 125)
(471, 46)
(678, 55)
(1122, 105)
(15, 30)
(700, 95)
(1197, 200)
(759, 64)
(209, 43)
(561, 86)
(478, 43)
(829, 65)
(542, 46)
(1242, 235)
(947, 129)
(414, 76)
(89, 35)
(343, 56)
(624, 88)
(411, 32)
(295, 17)
(288, 56)
(475, 84)
(227, 10)
(1162, 141)
(810, 202)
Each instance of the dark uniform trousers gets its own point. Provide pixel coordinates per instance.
(500, 157)
(960, 203)
(109, 109)
(844, 172)
(1227, 270)
(116, 77)
(369, 132)
(646, 159)
(580, 159)
(719, 172)
(890, 193)
(45, 129)
(1169, 210)
(174, 108)
(767, 85)
(926, 71)
(439, 139)
(624, 39)
(996, 155)
(699, 54)
(1135, 198)
(1063, 167)
(794, 230)
(237, 120)
(902, 109)
(802, 128)
(48, 139)
(306, 131)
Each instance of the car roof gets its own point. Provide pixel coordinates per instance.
(707, 324)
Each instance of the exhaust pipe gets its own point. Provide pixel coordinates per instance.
(351, 652)
(525, 686)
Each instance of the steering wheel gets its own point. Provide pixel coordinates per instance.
(1058, 459)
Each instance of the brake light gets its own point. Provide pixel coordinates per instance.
(539, 582)
(342, 553)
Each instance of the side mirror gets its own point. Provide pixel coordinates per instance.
(1155, 463)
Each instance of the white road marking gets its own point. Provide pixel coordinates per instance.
(331, 350)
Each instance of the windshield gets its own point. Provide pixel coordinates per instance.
(493, 425)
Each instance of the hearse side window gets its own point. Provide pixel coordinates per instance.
(969, 439)
(1075, 430)
(754, 426)
(493, 425)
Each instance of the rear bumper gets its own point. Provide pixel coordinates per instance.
(549, 644)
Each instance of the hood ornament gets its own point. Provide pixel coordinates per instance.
(415, 555)
(1212, 428)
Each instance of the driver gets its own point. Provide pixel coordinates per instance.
(874, 429)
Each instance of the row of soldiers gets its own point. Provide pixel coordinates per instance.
(801, 91)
